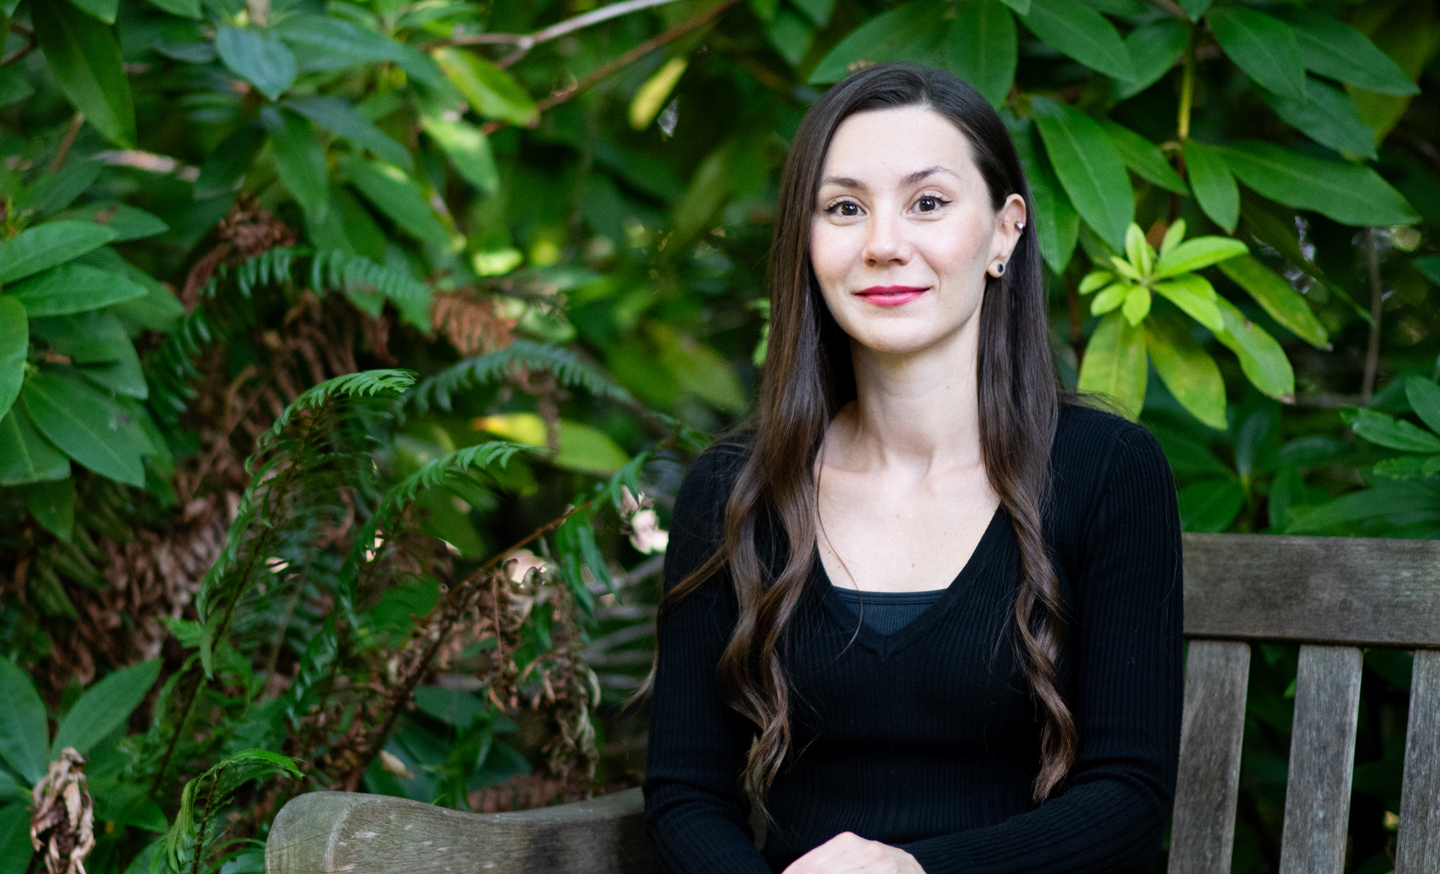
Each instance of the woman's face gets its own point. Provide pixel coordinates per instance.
(903, 233)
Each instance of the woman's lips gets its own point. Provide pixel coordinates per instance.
(891, 295)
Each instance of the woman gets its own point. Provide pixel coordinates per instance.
(1024, 717)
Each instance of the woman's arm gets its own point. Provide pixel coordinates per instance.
(694, 811)
(1125, 657)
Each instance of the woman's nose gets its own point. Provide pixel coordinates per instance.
(885, 239)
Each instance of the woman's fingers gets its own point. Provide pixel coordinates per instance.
(848, 853)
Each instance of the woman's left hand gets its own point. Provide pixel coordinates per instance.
(848, 852)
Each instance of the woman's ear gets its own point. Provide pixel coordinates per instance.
(1011, 220)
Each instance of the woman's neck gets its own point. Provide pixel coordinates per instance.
(918, 411)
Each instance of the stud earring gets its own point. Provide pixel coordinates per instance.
(1000, 268)
(1019, 226)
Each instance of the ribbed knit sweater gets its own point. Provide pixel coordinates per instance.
(928, 738)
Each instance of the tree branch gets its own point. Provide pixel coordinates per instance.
(630, 57)
(524, 42)
(1377, 299)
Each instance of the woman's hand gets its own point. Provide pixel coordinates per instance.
(848, 852)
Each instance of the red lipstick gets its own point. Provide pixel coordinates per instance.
(891, 295)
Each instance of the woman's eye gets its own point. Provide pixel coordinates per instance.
(845, 208)
(930, 204)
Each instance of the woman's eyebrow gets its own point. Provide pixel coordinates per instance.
(911, 179)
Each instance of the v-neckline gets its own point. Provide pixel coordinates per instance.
(887, 645)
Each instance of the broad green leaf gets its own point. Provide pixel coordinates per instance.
(1335, 49)
(466, 146)
(1138, 251)
(25, 456)
(587, 449)
(342, 120)
(1055, 222)
(52, 503)
(491, 91)
(44, 246)
(128, 222)
(1114, 364)
(14, 85)
(87, 338)
(15, 847)
(764, 9)
(1094, 281)
(1429, 267)
(101, 9)
(105, 707)
(708, 191)
(85, 57)
(1382, 430)
(1109, 298)
(906, 33)
(1387, 499)
(818, 10)
(1154, 48)
(1137, 305)
(1261, 358)
(1264, 47)
(1173, 235)
(1186, 369)
(1424, 397)
(1195, 8)
(1274, 294)
(1210, 505)
(1198, 252)
(186, 8)
(651, 94)
(73, 288)
(299, 159)
(1348, 193)
(83, 423)
(1193, 294)
(1141, 155)
(24, 729)
(1089, 168)
(1409, 466)
(230, 160)
(397, 196)
(324, 42)
(1021, 7)
(1328, 117)
(698, 369)
(1082, 33)
(14, 343)
(981, 47)
(1214, 187)
(53, 191)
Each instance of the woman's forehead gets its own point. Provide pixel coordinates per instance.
(895, 146)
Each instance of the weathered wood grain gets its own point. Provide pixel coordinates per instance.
(1202, 832)
(352, 833)
(1322, 759)
(1350, 590)
(1417, 847)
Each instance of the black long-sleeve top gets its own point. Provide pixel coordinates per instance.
(928, 739)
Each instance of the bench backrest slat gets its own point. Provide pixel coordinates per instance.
(1217, 674)
(1322, 759)
(1417, 847)
(1351, 590)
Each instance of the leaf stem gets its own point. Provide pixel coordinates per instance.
(1377, 299)
(1187, 92)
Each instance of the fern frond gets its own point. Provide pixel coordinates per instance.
(366, 383)
(270, 266)
(477, 457)
(198, 831)
(567, 367)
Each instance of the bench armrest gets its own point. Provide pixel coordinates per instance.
(354, 833)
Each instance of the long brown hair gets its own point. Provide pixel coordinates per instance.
(809, 377)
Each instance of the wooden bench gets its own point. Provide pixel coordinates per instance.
(1331, 595)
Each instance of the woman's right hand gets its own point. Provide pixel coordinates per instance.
(848, 853)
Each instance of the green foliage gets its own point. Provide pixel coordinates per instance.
(242, 231)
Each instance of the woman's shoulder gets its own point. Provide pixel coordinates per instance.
(1090, 441)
